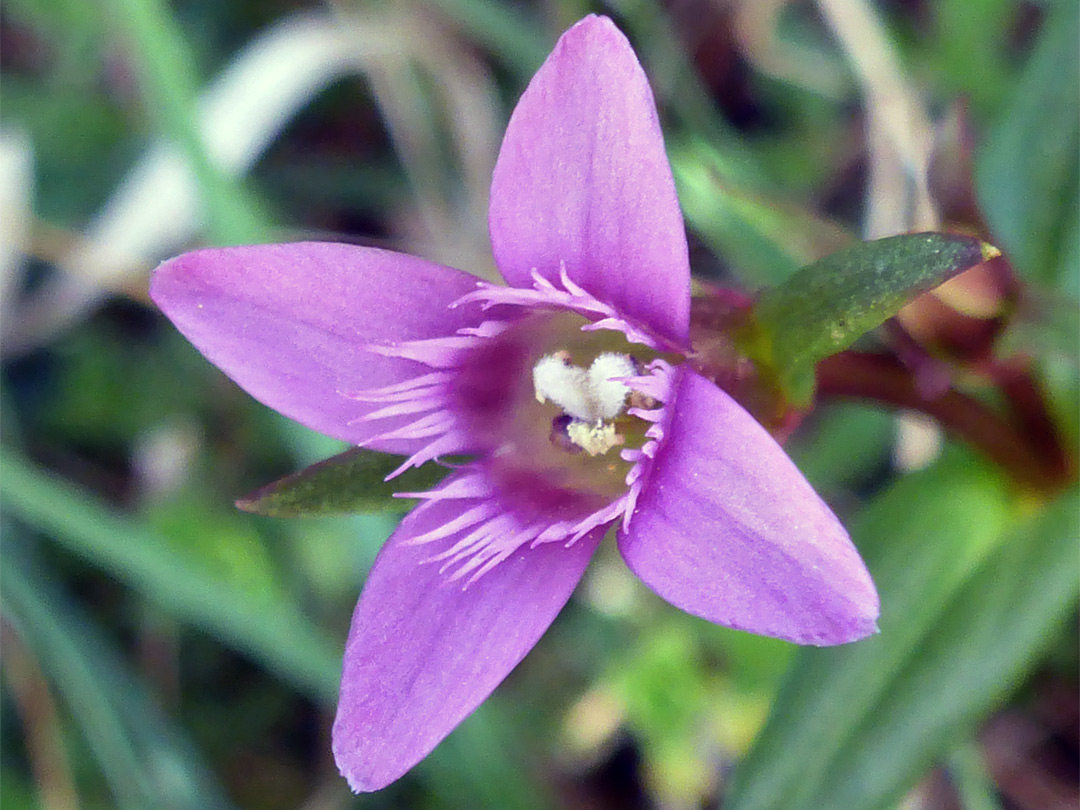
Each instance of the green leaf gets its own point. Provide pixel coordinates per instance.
(968, 49)
(856, 727)
(844, 444)
(71, 174)
(1027, 175)
(347, 484)
(827, 305)
(974, 785)
(146, 759)
(920, 539)
(135, 554)
(988, 636)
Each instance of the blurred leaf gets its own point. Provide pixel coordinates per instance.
(82, 143)
(275, 633)
(483, 764)
(986, 639)
(347, 484)
(223, 543)
(146, 759)
(167, 75)
(842, 444)
(1027, 173)
(827, 305)
(72, 30)
(669, 703)
(969, 50)
(969, 774)
(675, 81)
(921, 539)
(1047, 329)
(510, 34)
(15, 788)
(764, 241)
(661, 683)
(133, 553)
(104, 386)
(969, 597)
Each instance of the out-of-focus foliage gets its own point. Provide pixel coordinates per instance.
(1029, 183)
(162, 648)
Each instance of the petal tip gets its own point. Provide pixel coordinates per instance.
(593, 32)
(860, 624)
(360, 779)
(161, 278)
(593, 22)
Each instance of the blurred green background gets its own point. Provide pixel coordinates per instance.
(163, 650)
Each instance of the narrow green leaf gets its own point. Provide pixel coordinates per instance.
(845, 443)
(974, 784)
(134, 554)
(146, 759)
(347, 484)
(827, 305)
(921, 539)
(856, 727)
(1027, 175)
(986, 639)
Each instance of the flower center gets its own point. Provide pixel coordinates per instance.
(569, 422)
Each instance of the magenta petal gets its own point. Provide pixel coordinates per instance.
(727, 528)
(583, 179)
(424, 652)
(288, 323)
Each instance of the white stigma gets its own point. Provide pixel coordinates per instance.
(609, 394)
(555, 379)
(589, 397)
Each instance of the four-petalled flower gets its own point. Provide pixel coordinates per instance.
(570, 391)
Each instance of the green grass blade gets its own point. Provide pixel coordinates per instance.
(986, 639)
(144, 757)
(974, 785)
(1027, 173)
(765, 241)
(921, 539)
(969, 598)
(275, 633)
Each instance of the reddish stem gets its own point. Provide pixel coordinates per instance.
(1028, 448)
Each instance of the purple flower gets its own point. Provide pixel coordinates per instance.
(569, 389)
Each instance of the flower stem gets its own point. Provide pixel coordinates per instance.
(1025, 443)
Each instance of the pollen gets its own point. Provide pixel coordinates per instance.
(595, 438)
